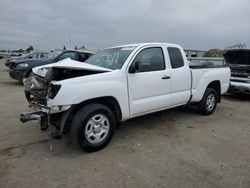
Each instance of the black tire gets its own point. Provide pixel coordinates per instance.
(203, 106)
(27, 74)
(81, 120)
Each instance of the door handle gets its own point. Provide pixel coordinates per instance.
(165, 77)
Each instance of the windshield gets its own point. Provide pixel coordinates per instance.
(34, 55)
(113, 58)
(52, 55)
(26, 55)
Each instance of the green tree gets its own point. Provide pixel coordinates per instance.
(29, 49)
(214, 53)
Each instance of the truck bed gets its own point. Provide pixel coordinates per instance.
(206, 66)
(202, 75)
(198, 63)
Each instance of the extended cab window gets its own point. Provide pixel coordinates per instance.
(176, 58)
(150, 59)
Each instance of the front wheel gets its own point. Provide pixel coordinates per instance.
(93, 127)
(208, 103)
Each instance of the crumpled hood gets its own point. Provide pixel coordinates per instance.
(38, 84)
(70, 64)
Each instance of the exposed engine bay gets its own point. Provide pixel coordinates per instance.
(58, 73)
(37, 87)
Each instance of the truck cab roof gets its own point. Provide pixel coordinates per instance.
(146, 44)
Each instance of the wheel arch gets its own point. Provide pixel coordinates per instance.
(109, 101)
(216, 85)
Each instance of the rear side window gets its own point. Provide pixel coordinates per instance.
(83, 56)
(71, 55)
(176, 58)
(150, 59)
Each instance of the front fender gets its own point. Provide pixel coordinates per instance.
(78, 92)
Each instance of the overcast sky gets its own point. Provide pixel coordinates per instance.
(195, 24)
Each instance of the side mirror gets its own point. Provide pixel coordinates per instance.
(134, 67)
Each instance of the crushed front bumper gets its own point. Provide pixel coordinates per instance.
(40, 116)
(48, 116)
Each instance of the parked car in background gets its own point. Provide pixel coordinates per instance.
(118, 84)
(34, 55)
(239, 62)
(20, 69)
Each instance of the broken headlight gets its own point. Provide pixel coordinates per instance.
(42, 72)
(34, 83)
(53, 90)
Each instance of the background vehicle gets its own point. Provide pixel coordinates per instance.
(239, 62)
(34, 55)
(90, 99)
(19, 70)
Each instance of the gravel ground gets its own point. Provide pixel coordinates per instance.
(173, 148)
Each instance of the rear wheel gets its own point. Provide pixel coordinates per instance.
(93, 127)
(208, 103)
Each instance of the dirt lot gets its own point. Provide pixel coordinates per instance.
(173, 148)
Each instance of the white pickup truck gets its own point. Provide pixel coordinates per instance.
(119, 83)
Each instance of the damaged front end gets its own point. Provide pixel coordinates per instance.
(36, 89)
(41, 88)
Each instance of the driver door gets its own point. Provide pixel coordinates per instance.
(150, 86)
